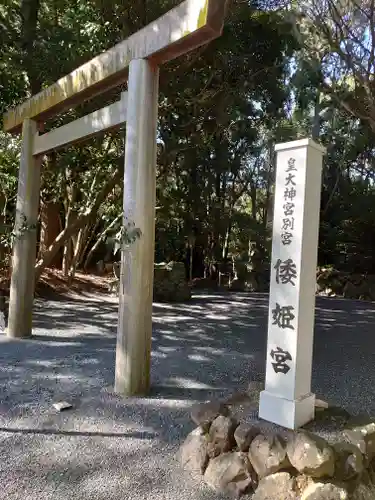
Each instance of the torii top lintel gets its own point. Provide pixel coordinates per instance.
(189, 25)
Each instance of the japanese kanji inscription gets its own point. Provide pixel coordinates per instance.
(286, 271)
(280, 358)
(290, 193)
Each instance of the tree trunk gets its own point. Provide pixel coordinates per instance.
(68, 247)
(85, 239)
(227, 239)
(269, 203)
(3, 205)
(315, 132)
(71, 196)
(75, 226)
(49, 229)
(191, 245)
(100, 239)
(65, 234)
(29, 15)
(216, 230)
(253, 198)
(92, 228)
(76, 253)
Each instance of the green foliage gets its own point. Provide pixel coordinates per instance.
(9, 158)
(222, 108)
(126, 236)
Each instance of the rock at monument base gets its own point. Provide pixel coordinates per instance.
(300, 466)
(170, 283)
(333, 414)
(221, 435)
(230, 473)
(324, 491)
(203, 414)
(321, 404)
(311, 454)
(279, 486)
(244, 434)
(268, 455)
(363, 437)
(193, 451)
(348, 461)
(365, 490)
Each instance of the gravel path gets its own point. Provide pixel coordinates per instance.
(108, 447)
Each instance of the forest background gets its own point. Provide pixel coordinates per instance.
(281, 71)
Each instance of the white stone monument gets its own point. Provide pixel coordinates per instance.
(287, 399)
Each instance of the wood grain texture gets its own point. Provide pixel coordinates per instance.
(134, 333)
(24, 249)
(104, 119)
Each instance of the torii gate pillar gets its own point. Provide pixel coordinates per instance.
(24, 248)
(137, 260)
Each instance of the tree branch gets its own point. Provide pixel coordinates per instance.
(73, 228)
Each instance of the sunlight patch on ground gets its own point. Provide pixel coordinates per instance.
(211, 350)
(167, 349)
(173, 319)
(44, 363)
(160, 355)
(199, 357)
(187, 307)
(188, 383)
(243, 323)
(171, 337)
(217, 317)
(161, 403)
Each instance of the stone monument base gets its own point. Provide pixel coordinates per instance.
(289, 414)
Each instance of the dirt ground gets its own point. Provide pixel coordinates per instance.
(53, 282)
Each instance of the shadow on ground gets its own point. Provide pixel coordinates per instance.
(207, 348)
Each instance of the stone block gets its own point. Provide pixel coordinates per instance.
(203, 414)
(348, 461)
(170, 284)
(193, 452)
(279, 486)
(244, 434)
(221, 435)
(324, 491)
(268, 455)
(230, 473)
(311, 454)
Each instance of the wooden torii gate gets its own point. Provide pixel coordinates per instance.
(135, 60)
